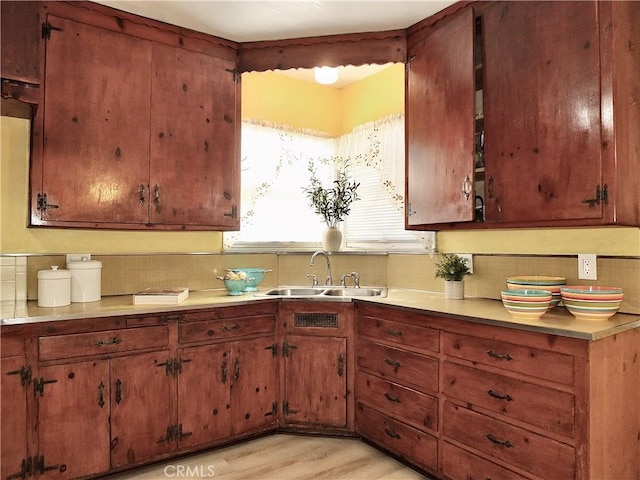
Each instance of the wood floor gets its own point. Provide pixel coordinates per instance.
(283, 457)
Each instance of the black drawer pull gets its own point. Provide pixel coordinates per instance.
(392, 363)
(501, 443)
(493, 394)
(392, 332)
(499, 356)
(391, 433)
(391, 398)
(230, 328)
(108, 341)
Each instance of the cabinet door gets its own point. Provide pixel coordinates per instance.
(542, 111)
(13, 416)
(20, 41)
(96, 127)
(194, 162)
(315, 377)
(73, 419)
(440, 125)
(254, 384)
(142, 398)
(204, 401)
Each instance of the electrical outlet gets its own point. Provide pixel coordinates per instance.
(587, 267)
(469, 259)
(77, 257)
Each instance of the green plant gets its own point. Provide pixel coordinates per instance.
(452, 267)
(334, 203)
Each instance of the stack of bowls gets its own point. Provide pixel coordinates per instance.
(254, 277)
(526, 304)
(539, 282)
(592, 303)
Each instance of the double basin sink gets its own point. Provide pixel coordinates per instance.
(324, 293)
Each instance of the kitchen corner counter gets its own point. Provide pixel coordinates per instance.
(477, 310)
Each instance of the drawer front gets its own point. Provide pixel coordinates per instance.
(399, 365)
(516, 446)
(423, 338)
(226, 328)
(541, 406)
(458, 464)
(412, 445)
(410, 406)
(100, 343)
(554, 366)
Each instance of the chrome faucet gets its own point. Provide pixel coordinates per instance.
(326, 256)
(356, 279)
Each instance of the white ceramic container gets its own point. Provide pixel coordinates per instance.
(86, 280)
(54, 287)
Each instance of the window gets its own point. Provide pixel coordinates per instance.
(275, 211)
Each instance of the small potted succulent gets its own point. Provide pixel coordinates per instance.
(333, 204)
(453, 269)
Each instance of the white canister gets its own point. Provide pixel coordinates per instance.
(86, 280)
(54, 287)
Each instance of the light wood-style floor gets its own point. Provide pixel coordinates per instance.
(282, 457)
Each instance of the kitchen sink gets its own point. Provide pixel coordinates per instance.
(324, 293)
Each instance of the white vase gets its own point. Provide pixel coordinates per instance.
(331, 239)
(453, 289)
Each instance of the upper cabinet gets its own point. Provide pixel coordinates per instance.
(530, 119)
(141, 135)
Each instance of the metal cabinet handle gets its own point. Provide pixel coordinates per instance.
(499, 356)
(499, 396)
(467, 187)
(142, 194)
(501, 443)
(391, 398)
(392, 434)
(392, 332)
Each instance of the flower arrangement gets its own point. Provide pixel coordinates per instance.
(452, 268)
(334, 203)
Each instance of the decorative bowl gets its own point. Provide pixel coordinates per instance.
(527, 304)
(592, 302)
(539, 282)
(254, 277)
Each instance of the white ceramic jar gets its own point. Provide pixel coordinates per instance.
(54, 287)
(86, 280)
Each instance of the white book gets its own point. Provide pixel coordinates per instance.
(160, 296)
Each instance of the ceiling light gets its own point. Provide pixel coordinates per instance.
(326, 75)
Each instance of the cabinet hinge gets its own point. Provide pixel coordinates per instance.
(31, 466)
(274, 410)
(286, 347)
(174, 432)
(601, 195)
(38, 386)
(25, 374)
(47, 28)
(273, 348)
(43, 205)
(235, 72)
(407, 65)
(233, 213)
(286, 409)
(173, 366)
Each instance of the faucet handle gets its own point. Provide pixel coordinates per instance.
(356, 279)
(314, 279)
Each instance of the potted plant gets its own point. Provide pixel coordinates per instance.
(332, 204)
(453, 269)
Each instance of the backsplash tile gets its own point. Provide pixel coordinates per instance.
(13, 278)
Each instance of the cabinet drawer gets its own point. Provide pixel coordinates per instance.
(412, 445)
(423, 338)
(415, 408)
(199, 331)
(516, 446)
(458, 464)
(399, 365)
(554, 366)
(100, 343)
(547, 408)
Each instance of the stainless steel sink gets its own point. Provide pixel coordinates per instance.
(335, 293)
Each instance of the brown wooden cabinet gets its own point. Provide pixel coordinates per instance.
(317, 365)
(549, 109)
(497, 402)
(149, 127)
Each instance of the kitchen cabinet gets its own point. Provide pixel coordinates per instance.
(135, 124)
(316, 370)
(495, 402)
(547, 113)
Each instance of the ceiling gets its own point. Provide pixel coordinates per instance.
(256, 20)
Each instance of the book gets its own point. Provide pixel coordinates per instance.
(160, 296)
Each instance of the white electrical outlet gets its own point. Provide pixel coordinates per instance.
(77, 257)
(469, 259)
(587, 267)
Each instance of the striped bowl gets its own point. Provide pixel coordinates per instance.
(539, 282)
(592, 302)
(526, 304)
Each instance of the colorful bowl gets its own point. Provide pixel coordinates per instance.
(254, 277)
(527, 304)
(539, 282)
(592, 302)
(235, 287)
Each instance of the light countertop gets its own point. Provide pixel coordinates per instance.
(479, 310)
